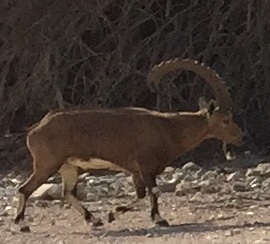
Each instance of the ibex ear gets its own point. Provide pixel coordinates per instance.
(202, 103)
(212, 107)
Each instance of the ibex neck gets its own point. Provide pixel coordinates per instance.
(189, 130)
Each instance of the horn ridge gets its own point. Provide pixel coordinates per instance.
(210, 76)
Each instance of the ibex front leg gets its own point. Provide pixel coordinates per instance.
(153, 191)
(140, 194)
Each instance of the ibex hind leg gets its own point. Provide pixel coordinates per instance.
(140, 194)
(38, 177)
(69, 175)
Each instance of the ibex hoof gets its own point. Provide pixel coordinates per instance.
(162, 223)
(97, 223)
(25, 229)
(111, 217)
(122, 209)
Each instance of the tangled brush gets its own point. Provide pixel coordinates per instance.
(62, 54)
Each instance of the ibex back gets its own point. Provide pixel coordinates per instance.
(134, 140)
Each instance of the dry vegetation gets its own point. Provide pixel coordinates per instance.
(97, 53)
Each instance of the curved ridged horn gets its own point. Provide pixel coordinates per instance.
(223, 98)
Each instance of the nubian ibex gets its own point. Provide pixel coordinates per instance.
(137, 141)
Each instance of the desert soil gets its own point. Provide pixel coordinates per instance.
(224, 216)
(207, 222)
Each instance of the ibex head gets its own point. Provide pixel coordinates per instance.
(219, 115)
(221, 123)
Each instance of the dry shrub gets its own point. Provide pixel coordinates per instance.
(69, 53)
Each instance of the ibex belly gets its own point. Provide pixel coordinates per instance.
(92, 163)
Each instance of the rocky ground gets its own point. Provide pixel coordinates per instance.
(218, 205)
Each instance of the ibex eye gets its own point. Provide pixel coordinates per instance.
(226, 121)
